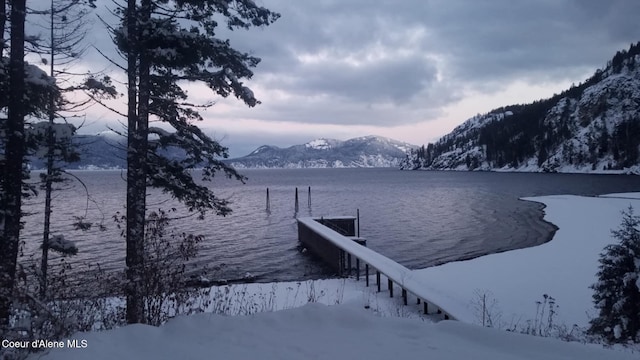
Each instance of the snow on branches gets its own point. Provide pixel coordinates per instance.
(617, 291)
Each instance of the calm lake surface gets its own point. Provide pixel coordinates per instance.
(418, 218)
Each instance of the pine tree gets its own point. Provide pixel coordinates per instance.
(25, 91)
(167, 44)
(67, 29)
(617, 291)
(542, 155)
(13, 161)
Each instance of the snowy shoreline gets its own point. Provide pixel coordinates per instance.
(563, 268)
(634, 170)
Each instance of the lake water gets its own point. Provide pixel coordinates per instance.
(418, 218)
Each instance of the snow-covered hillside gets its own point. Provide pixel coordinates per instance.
(592, 127)
(367, 151)
(105, 150)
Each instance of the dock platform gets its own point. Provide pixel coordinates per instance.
(331, 239)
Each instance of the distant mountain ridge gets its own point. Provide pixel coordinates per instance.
(103, 151)
(366, 151)
(106, 151)
(592, 127)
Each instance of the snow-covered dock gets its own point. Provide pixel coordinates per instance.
(332, 246)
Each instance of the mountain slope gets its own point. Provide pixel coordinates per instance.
(367, 151)
(103, 151)
(594, 126)
(106, 150)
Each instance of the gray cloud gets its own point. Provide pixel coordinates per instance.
(498, 40)
(395, 80)
(478, 44)
(388, 62)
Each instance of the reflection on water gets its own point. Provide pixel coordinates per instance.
(416, 218)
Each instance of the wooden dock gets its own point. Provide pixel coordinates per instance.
(330, 239)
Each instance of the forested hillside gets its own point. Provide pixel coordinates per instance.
(594, 126)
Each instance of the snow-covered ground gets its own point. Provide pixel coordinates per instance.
(563, 268)
(361, 324)
(322, 332)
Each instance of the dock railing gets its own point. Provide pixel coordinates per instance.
(331, 245)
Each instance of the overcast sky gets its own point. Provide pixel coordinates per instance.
(411, 70)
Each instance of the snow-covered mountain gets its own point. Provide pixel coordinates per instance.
(367, 151)
(102, 151)
(594, 126)
(106, 150)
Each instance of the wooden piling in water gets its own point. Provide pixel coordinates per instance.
(309, 198)
(390, 285)
(358, 222)
(366, 273)
(268, 201)
(297, 206)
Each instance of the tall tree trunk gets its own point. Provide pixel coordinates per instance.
(135, 177)
(50, 171)
(14, 156)
(142, 140)
(3, 24)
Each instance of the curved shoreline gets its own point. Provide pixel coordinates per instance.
(564, 268)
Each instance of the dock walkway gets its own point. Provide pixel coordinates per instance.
(395, 273)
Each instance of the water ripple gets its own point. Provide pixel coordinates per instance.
(416, 218)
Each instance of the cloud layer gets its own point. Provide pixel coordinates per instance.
(415, 58)
(387, 65)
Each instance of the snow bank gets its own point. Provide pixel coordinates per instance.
(320, 332)
(563, 268)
